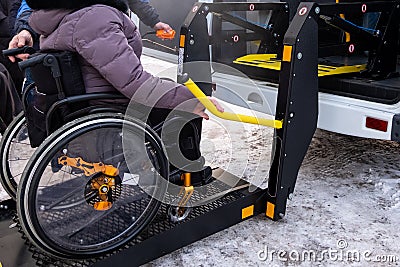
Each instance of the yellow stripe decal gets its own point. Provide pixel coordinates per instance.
(182, 41)
(269, 61)
(287, 53)
(247, 212)
(270, 210)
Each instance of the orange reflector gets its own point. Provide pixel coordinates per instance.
(182, 41)
(165, 35)
(247, 212)
(376, 124)
(270, 210)
(287, 53)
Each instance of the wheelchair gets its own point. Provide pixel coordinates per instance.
(97, 176)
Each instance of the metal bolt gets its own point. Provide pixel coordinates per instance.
(206, 8)
(285, 156)
(291, 115)
(42, 207)
(299, 56)
(290, 197)
(65, 151)
(281, 215)
(317, 10)
(294, 74)
(191, 42)
(291, 102)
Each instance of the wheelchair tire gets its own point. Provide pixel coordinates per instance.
(15, 152)
(58, 205)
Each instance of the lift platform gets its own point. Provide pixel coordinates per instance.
(232, 200)
(13, 250)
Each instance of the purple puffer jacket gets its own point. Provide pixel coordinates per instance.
(110, 47)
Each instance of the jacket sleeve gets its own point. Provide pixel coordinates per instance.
(103, 44)
(12, 14)
(146, 13)
(21, 23)
(22, 8)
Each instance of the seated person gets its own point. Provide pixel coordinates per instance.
(27, 36)
(110, 46)
(110, 50)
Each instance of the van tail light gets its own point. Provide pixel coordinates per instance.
(376, 124)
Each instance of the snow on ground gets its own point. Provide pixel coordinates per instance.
(345, 210)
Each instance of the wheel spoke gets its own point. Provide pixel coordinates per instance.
(52, 205)
(17, 159)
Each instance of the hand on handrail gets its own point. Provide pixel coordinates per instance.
(200, 108)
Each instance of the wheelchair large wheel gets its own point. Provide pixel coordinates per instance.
(77, 197)
(15, 152)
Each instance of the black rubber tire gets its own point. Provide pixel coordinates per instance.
(7, 178)
(66, 245)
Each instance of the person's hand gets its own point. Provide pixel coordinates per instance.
(200, 109)
(23, 38)
(162, 26)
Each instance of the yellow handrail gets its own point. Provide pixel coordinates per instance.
(196, 91)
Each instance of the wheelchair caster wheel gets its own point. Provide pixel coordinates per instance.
(178, 214)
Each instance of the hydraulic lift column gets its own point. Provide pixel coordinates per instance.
(297, 106)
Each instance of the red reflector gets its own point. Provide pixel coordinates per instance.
(376, 124)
